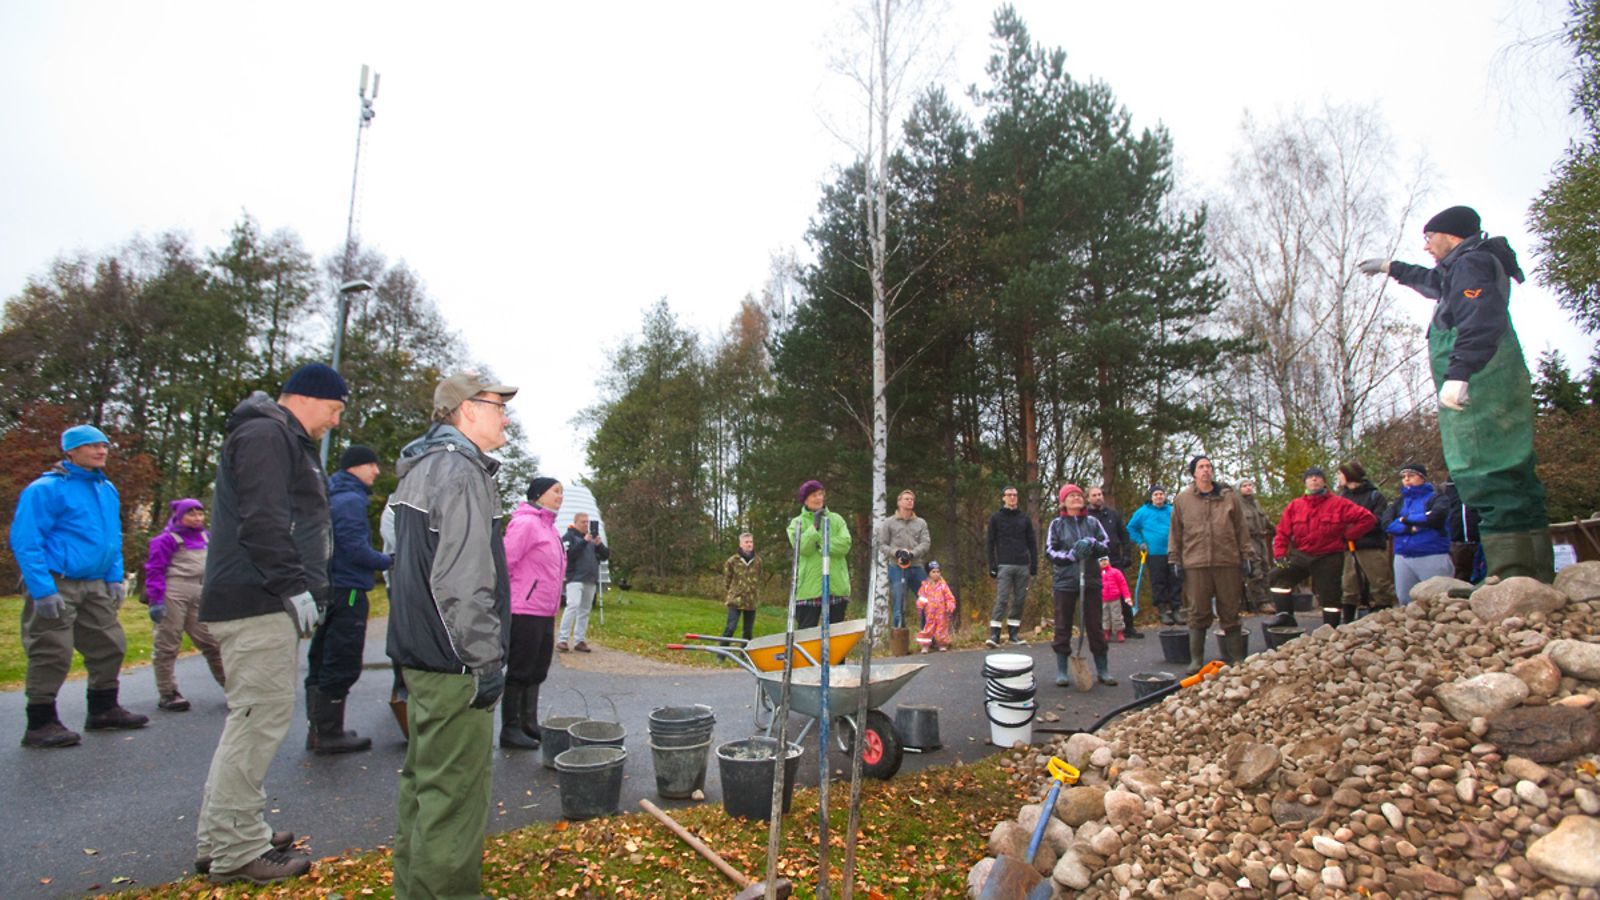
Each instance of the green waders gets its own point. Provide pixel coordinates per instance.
(1488, 448)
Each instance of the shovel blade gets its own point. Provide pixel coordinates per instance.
(1081, 673)
(1010, 879)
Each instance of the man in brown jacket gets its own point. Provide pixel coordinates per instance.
(1211, 547)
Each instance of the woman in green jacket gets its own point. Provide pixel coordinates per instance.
(808, 579)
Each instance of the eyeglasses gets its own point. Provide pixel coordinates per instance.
(491, 403)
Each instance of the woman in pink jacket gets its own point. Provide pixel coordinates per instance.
(537, 565)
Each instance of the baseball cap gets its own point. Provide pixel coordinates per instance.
(463, 386)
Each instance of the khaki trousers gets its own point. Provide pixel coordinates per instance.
(261, 656)
(1378, 573)
(445, 788)
(88, 623)
(1201, 583)
(182, 616)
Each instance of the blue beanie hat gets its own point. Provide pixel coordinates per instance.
(78, 435)
(317, 380)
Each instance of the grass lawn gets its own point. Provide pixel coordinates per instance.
(136, 625)
(643, 624)
(920, 835)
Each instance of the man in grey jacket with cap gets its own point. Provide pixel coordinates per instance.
(449, 630)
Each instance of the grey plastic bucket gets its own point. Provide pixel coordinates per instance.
(1175, 645)
(918, 725)
(591, 781)
(684, 739)
(680, 771)
(1278, 635)
(595, 733)
(676, 719)
(746, 771)
(1147, 683)
(554, 738)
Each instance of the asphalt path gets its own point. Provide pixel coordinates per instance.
(119, 810)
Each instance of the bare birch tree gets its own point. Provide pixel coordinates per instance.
(1308, 197)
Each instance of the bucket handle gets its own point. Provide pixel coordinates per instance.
(993, 721)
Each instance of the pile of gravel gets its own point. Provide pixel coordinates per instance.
(1446, 748)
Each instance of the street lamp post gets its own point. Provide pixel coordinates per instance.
(355, 286)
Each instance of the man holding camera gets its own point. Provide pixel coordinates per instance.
(585, 553)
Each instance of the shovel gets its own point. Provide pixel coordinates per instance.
(1078, 668)
(1012, 877)
(749, 889)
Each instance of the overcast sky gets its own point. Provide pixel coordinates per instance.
(552, 170)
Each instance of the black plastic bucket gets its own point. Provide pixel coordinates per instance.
(680, 771)
(1245, 632)
(918, 726)
(1304, 602)
(595, 733)
(554, 739)
(1147, 683)
(746, 771)
(591, 781)
(1175, 645)
(1278, 635)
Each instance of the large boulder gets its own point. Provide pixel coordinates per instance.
(1516, 596)
(1437, 588)
(1081, 804)
(1484, 695)
(1124, 809)
(1080, 747)
(1580, 581)
(1571, 853)
(1540, 674)
(1250, 764)
(1580, 659)
(1545, 734)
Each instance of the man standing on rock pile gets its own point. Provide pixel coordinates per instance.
(1211, 546)
(1313, 535)
(1485, 394)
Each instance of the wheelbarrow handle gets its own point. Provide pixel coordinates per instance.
(1206, 671)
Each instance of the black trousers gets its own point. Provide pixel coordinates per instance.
(749, 616)
(333, 664)
(1326, 573)
(1066, 606)
(533, 642)
(810, 616)
(1165, 585)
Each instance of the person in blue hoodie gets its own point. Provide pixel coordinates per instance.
(334, 659)
(1148, 528)
(1418, 519)
(67, 539)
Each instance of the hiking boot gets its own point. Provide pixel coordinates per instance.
(50, 735)
(104, 713)
(994, 637)
(280, 840)
(582, 647)
(273, 865)
(173, 702)
(562, 646)
(1016, 637)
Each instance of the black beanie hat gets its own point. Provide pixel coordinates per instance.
(1416, 467)
(356, 455)
(1314, 470)
(1196, 461)
(1461, 221)
(317, 380)
(539, 485)
(1153, 489)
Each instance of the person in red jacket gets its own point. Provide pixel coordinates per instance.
(1313, 536)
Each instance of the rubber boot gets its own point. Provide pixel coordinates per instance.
(45, 728)
(105, 712)
(331, 736)
(1347, 613)
(1197, 649)
(994, 636)
(1063, 678)
(530, 713)
(1526, 553)
(1016, 638)
(1233, 645)
(1102, 670)
(311, 718)
(512, 737)
(1330, 617)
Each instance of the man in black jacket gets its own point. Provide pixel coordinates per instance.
(1368, 579)
(585, 553)
(268, 557)
(1117, 533)
(333, 663)
(1013, 551)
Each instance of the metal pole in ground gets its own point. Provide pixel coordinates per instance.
(781, 751)
(859, 744)
(826, 662)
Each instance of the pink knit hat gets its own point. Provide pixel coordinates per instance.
(1068, 489)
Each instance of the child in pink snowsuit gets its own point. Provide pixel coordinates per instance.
(1113, 590)
(937, 604)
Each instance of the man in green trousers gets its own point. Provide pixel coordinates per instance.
(1485, 393)
(449, 631)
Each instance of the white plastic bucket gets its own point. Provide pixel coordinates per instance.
(1010, 662)
(1010, 722)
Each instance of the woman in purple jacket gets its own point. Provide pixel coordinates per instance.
(173, 573)
(537, 566)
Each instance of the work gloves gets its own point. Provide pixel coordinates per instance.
(1453, 395)
(1177, 572)
(118, 592)
(1373, 266)
(1082, 549)
(157, 610)
(490, 685)
(1244, 569)
(303, 610)
(49, 607)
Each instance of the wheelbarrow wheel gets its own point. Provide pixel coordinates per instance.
(881, 750)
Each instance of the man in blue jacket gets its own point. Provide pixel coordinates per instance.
(1148, 528)
(334, 660)
(67, 540)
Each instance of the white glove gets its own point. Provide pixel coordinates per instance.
(118, 591)
(1453, 395)
(304, 611)
(1373, 266)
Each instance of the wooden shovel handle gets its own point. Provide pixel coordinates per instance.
(738, 877)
